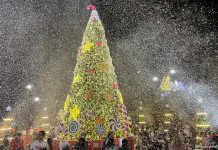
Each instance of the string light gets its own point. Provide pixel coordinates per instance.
(37, 99)
(29, 86)
(155, 79)
(172, 71)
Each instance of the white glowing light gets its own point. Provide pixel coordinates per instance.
(142, 122)
(37, 99)
(45, 109)
(29, 86)
(44, 125)
(155, 79)
(8, 108)
(201, 113)
(200, 100)
(167, 106)
(202, 125)
(167, 122)
(172, 71)
(45, 117)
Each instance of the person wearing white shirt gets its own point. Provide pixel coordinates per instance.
(40, 144)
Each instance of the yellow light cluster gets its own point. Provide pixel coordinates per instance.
(168, 115)
(5, 129)
(202, 125)
(8, 119)
(198, 138)
(142, 122)
(167, 122)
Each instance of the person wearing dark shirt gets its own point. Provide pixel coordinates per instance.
(125, 145)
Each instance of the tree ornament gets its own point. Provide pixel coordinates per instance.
(73, 127)
(8, 109)
(100, 130)
(165, 84)
(99, 120)
(88, 95)
(99, 43)
(119, 95)
(67, 103)
(109, 97)
(87, 47)
(74, 113)
(114, 124)
(77, 79)
(91, 71)
(91, 7)
(115, 85)
(103, 67)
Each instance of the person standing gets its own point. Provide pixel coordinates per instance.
(81, 144)
(17, 143)
(40, 144)
(6, 142)
(50, 141)
(125, 145)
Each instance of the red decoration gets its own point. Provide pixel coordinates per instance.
(88, 95)
(91, 7)
(91, 71)
(115, 85)
(99, 43)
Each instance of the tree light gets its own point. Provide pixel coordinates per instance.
(29, 86)
(155, 79)
(168, 115)
(36, 99)
(172, 71)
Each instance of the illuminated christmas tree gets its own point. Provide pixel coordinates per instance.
(94, 105)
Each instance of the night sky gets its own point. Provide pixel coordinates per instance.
(39, 41)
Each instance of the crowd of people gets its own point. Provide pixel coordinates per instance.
(40, 143)
(146, 139)
(157, 139)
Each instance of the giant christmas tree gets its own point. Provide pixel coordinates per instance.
(94, 105)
